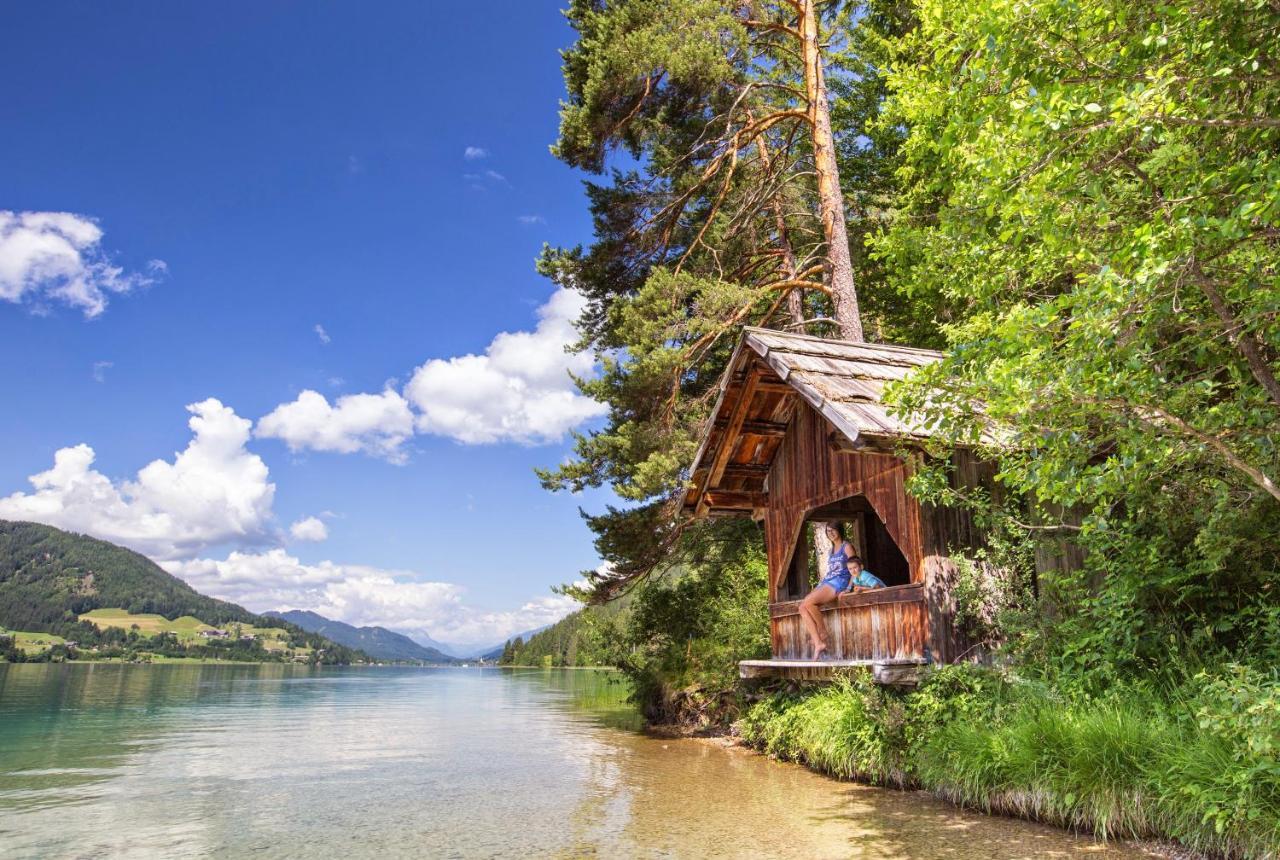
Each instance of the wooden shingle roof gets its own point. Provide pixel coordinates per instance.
(769, 371)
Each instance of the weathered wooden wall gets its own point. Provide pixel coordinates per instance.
(908, 621)
(808, 472)
(951, 531)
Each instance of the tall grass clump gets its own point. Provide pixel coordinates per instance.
(1199, 763)
(1080, 766)
(850, 730)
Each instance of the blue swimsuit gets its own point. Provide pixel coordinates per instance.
(839, 578)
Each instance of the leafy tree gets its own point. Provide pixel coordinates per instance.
(1097, 185)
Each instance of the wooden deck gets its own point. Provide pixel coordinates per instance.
(897, 672)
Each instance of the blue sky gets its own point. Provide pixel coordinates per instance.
(256, 170)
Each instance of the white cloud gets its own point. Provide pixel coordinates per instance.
(362, 595)
(475, 153)
(518, 391)
(213, 492)
(485, 179)
(100, 369)
(322, 334)
(57, 256)
(309, 529)
(377, 424)
(531, 219)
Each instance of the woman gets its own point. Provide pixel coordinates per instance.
(844, 571)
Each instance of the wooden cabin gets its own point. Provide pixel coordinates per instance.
(800, 435)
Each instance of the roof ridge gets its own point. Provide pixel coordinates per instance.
(773, 332)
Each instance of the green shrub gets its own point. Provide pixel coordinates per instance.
(1223, 778)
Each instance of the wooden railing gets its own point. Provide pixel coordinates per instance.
(914, 621)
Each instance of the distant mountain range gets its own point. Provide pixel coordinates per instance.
(377, 642)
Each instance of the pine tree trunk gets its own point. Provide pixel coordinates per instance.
(831, 202)
(795, 299)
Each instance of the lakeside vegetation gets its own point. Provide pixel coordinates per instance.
(1080, 204)
(1192, 761)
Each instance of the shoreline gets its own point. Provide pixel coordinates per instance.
(728, 739)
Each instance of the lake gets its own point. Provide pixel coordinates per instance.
(275, 761)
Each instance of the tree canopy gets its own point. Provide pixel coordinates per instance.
(1097, 184)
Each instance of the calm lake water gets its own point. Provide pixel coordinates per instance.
(275, 761)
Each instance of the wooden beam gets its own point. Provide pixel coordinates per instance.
(747, 470)
(758, 428)
(734, 499)
(776, 386)
(728, 439)
(862, 445)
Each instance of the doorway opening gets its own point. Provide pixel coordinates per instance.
(864, 529)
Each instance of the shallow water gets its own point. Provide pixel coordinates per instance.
(277, 761)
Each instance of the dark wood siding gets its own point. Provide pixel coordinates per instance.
(808, 473)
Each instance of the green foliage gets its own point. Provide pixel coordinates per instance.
(1228, 773)
(1197, 763)
(1097, 184)
(689, 628)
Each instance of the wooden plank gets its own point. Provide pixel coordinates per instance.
(737, 417)
(893, 672)
(757, 427)
(746, 470)
(910, 593)
(738, 500)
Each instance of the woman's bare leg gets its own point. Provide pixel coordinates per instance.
(811, 616)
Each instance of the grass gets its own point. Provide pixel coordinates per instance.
(1200, 764)
(34, 643)
(186, 628)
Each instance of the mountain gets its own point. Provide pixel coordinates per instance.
(378, 642)
(427, 642)
(49, 577)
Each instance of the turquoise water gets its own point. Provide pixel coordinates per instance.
(276, 761)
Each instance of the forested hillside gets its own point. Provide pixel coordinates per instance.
(49, 578)
(592, 636)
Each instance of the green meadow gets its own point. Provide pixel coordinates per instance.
(34, 643)
(187, 628)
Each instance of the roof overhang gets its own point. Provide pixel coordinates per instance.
(769, 373)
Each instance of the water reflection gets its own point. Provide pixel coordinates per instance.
(279, 761)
